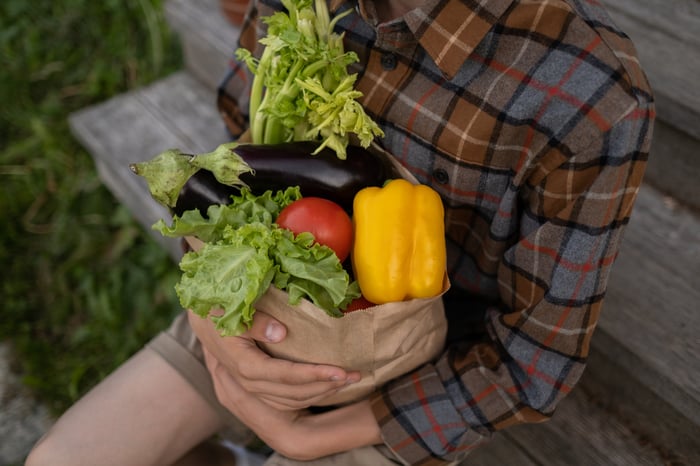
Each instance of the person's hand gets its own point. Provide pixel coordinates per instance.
(283, 385)
(296, 434)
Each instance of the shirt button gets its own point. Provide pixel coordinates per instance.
(441, 176)
(389, 61)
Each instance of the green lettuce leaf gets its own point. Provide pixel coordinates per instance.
(244, 209)
(311, 271)
(245, 253)
(227, 277)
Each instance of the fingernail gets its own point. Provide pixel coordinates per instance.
(336, 378)
(274, 332)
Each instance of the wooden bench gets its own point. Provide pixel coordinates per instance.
(639, 400)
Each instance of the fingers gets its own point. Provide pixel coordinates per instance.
(248, 363)
(261, 417)
(293, 385)
(286, 396)
(266, 328)
(277, 382)
(291, 401)
(284, 384)
(254, 364)
(225, 386)
(261, 366)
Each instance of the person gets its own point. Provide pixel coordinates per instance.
(533, 120)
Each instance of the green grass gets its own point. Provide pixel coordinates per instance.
(83, 286)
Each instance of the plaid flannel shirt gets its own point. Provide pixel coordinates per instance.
(533, 120)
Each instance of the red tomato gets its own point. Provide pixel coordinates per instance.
(326, 220)
(357, 304)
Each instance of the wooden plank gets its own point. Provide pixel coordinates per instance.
(206, 19)
(674, 165)
(652, 305)
(644, 361)
(581, 433)
(617, 388)
(500, 450)
(678, 19)
(188, 109)
(103, 130)
(645, 351)
(208, 39)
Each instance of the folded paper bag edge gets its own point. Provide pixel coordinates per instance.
(355, 340)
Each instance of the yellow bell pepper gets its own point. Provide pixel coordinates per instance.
(399, 248)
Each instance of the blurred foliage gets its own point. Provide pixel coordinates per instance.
(83, 286)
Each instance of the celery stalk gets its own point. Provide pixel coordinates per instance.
(300, 87)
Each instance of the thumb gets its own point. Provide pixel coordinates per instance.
(266, 328)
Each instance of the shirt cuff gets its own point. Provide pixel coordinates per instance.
(419, 421)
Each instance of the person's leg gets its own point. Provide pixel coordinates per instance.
(145, 413)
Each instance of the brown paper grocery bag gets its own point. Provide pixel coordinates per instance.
(382, 342)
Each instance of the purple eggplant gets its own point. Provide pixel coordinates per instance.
(278, 166)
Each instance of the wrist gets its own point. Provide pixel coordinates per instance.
(346, 428)
(351, 426)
